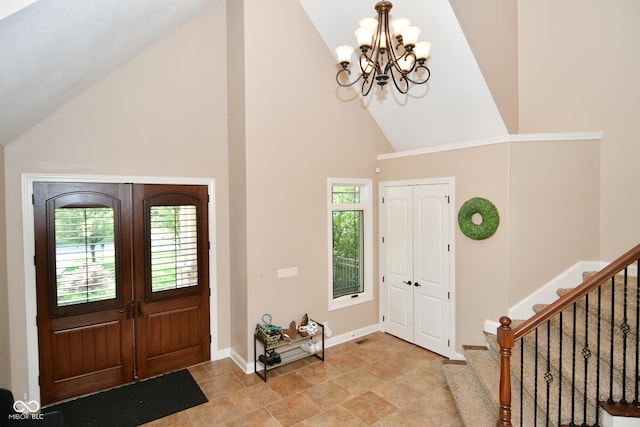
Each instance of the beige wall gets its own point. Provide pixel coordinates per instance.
(547, 197)
(554, 211)
(5, 355)
(162, 114)
(579, 72)
(239, 324)
(481, 276)
(491, 28)
(291, 149)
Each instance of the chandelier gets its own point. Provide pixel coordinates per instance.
(379, 60)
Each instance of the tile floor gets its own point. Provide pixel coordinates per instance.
(376, 380)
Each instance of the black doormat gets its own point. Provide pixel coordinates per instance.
(133, 404)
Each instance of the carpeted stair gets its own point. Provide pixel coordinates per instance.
(475, 384)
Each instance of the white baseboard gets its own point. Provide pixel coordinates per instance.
(339, 339)
(491, 326)
(457, 356)
(570, 278)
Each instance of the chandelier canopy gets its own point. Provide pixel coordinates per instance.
(379, 60)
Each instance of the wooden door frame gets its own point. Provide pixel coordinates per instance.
(28, 233)
(450, 181)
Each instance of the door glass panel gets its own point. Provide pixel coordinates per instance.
(85, 255)
(174, 247)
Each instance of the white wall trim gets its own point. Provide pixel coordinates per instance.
(28, 235)
(569, 278)
(533, 137)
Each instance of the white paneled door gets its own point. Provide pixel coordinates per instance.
(416, 258)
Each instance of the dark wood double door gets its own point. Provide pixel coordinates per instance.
(122, 277)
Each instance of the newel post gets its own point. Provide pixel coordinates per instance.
(505, 340)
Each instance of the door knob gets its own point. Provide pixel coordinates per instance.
(128, 310)
(408, 282)
(417, 284)
(140, 313)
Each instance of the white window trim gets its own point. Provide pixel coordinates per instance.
(367, 203)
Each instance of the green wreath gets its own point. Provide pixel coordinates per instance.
(488, 213)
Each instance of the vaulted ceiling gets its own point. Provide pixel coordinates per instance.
(52, 50)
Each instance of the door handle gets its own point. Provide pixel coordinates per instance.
(140, 313)
(417, 284)
(127, 310)
(408, 282)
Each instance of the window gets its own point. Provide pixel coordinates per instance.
(350, 242)
(174, 247)
(84, 254)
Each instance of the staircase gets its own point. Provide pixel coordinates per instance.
(556, 380)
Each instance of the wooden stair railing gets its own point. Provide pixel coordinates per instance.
(507, 336)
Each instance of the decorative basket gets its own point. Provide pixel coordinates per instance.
(267, 335)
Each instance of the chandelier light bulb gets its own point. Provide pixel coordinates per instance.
(422, 50)
(370, 23)
(364, 36)
(399, 25)
(410, 36)
(344, 54)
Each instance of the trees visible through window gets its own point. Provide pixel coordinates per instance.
(350, 242)
(85, 255)
(174, 247)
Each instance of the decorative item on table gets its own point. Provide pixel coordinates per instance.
(307, 327)
(303, 324)
(268, 333)
(289, 334)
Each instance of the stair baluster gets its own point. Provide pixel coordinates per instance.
(625, 331)
(586, 354)
(560, 369)
(573, 369)
(548, 375)
(521, 379)
(610, 401)
(598, 351)
(535, 376)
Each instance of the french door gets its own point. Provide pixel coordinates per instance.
(122, 283)
(417, 264)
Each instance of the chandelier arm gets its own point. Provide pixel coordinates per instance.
(346, 70)
(420, 82)
(367, 84)
(369, 80)
(402, 88)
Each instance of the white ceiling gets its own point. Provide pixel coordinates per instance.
(453, 107)
(52, 50)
